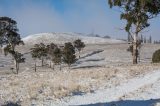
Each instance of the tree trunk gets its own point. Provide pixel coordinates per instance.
(42, 62)
(50, 64)
(134, 53)
(60, 67)
(135, 49)
(69, 66)
(35, 67)
(135, 45)
(139, 55)
(1, 50)
(53, 66)
(79, 54)
(17, 68)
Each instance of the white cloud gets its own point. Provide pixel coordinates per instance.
(36, 19)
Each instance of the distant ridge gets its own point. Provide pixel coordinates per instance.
(61, 38)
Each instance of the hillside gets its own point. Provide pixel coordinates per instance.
(102, 76)
(61, 38)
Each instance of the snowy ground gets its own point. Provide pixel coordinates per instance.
(119, 92)
(103, 76)
(61, 38)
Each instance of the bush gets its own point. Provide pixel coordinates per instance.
(156, 56)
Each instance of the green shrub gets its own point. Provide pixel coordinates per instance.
(156, 56)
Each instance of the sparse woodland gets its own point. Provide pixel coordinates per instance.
(136, 13)
(56, 57)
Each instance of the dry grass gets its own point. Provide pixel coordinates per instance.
(34, 86)
(29, 86)
(48, 84)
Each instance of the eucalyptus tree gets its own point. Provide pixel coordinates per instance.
(39, 51)
(10, 38)
(137, 13)
(69, 54)
(50, 53)
(57, 56)
(79, 45)
(18, 57)
(35, 55)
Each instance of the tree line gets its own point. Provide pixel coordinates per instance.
(56, 55)
(142, 38)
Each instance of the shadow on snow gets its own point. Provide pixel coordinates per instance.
(150, 102)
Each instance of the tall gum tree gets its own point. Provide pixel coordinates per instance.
(137, 13)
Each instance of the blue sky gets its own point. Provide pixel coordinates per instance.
(83, 16)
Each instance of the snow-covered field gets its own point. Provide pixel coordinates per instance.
(103, 76)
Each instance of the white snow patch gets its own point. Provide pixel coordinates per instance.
(61, 38)
(114, 93)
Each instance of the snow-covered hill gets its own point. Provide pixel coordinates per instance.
(61, 38)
